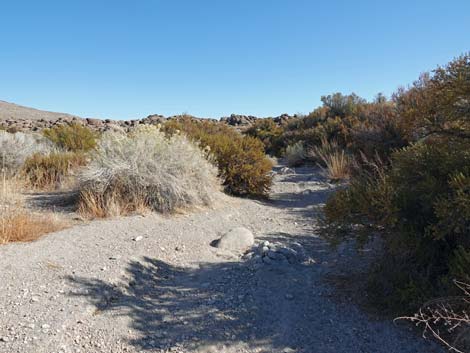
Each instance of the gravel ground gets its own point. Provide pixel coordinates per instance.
(154, 284)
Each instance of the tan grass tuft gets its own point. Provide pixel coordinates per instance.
(16, 223)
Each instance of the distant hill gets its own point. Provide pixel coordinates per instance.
(11, 111)
(14, 117)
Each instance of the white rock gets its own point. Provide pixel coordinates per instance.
(237, 239)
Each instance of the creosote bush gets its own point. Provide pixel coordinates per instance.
(72, 137)
(145, 169)
(243, 165)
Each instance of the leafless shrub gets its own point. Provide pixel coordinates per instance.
(447, 319)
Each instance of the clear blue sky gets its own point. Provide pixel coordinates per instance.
(126, 59)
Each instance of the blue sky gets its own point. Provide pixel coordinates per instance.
(127, 59)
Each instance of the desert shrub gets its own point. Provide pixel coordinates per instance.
(270, 134)
(377, 132)
(146, 169)
(243, 165)
(46, 171)
(438, 104)
(419, 202)
(419, 206)
(295, 154)
(72, 137)
(16, 148)
(333, 121)
(355, 125)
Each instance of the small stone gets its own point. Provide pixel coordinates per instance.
(139, 238)
(45, 326)
(5, 339)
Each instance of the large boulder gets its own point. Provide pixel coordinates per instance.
(238, 239)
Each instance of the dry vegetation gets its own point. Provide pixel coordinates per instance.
(408, 163)
(18, 224)
(146, 170)
(406, 160)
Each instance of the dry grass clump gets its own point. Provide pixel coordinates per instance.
(146, 170)
(333, 159)
(16, 224)
(20, 226)
(16, 148)
(51, 170)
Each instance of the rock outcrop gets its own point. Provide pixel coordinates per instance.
(14, 118)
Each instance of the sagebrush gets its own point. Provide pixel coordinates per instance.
(146, 169)
(16, 148)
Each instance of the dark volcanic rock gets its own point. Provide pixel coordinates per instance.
(17, 118)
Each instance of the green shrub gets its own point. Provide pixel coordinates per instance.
(73, 137)
(243, 165)
(270, 134)
(50, 170)
(419, 202)
(420, 207)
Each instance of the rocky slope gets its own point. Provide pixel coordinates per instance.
(14, 118)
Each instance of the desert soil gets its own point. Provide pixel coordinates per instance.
(155, 284)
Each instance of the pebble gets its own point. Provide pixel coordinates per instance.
(139, 238)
